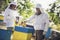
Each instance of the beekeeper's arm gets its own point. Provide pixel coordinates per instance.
(30, 19)
(46, 23)
(16, 14)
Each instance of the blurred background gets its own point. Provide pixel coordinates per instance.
(26, 9)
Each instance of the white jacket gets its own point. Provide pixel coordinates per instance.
(10, 17)
(40, 21)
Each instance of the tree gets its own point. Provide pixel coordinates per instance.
(25, 8)
(54, 12)
(3, 4)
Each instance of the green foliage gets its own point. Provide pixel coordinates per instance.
(55, 18)
(58, 1)
(25, 9)
(55, 15)
(3, 4)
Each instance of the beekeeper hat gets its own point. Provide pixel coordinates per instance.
(38, 6)
(14, 3)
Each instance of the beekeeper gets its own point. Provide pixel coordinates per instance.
(10, 15)
(41, 21)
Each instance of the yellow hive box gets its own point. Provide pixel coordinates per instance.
(22, 33)
(21, 36)
(1, 17)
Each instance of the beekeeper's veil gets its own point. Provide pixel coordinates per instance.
(8, 11)
(14, 3)
(40, 7)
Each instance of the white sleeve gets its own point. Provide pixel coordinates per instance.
(31, 18)
(16, 14)
(46, 23)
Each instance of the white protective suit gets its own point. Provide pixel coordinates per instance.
(41, 21)
(10, 16)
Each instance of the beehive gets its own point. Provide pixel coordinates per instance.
(22, 33)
